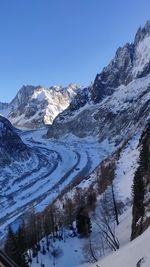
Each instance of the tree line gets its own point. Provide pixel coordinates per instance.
(24, 244)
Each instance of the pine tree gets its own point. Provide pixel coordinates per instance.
(21, 241)
(139, 184)
(11, 244)
(21, 246)
(83, 223)
(69, 211)
(14, 247)
(138, 201)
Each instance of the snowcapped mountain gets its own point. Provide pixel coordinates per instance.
(131, 61)
(35, 107)
(117, 104)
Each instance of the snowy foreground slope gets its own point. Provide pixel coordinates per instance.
(126, 167)
(137, 251)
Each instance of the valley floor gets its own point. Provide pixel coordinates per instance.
(54, 165)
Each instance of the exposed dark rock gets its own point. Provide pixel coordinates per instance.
(3, 106)
(116, 73)
(11, 146)
(121, 69)
(142, 32)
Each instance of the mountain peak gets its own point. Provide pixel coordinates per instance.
(130, 62)
(142, 33)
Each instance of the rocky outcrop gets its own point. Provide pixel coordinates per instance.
(3, 106)
(142, 33)
(116, 73)
(11, 146)
(130, 62)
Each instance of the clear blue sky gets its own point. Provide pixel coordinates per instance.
(51, 42)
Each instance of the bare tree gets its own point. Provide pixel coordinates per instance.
(105, 222)
(115, 204)
(92, 250)
(69, 211)
(56, 252)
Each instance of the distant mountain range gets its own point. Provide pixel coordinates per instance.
(35, 106)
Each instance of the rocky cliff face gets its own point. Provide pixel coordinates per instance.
(118, 72)
(35, 107)
(117, 104)
(130, 62)
(3, 106)
(11, 146)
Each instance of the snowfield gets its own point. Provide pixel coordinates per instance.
(135, 252)
(71, 253)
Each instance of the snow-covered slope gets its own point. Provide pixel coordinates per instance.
(142, 55)
(35, 107)
(125, 169)
(130, 255)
